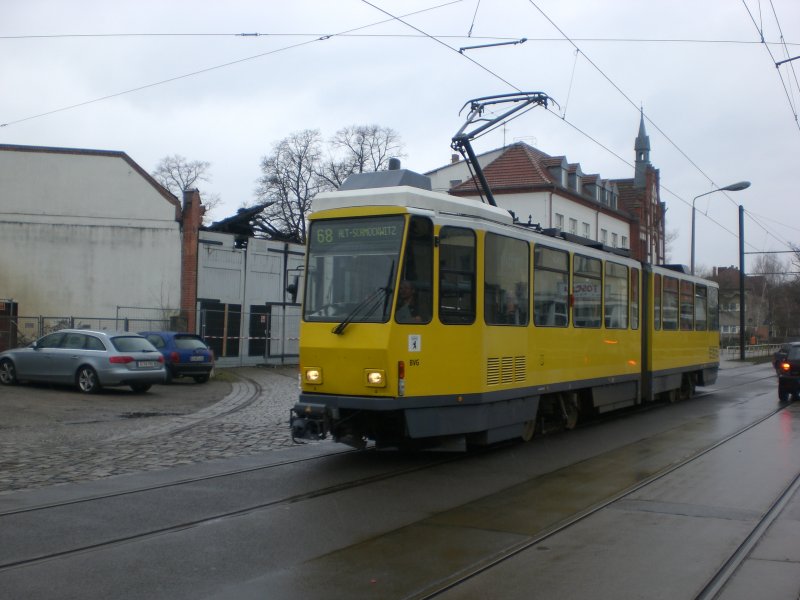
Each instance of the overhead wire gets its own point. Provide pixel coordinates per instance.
(474, 16)
(549, 110)
(783, 43)
(561, 116)
(352, 33)
(213, 68)
(438, 41)
(760, 31)
(649, 120)
(256, 34)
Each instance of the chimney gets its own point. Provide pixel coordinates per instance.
(453, 159)
(191, 221)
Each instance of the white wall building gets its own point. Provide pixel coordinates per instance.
(82, 231)
(245, 312)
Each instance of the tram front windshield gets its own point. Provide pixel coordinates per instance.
(352, 267)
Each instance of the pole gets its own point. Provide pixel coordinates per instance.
(741, 284)
(693, 211)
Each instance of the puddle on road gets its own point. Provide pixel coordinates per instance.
(143, 415)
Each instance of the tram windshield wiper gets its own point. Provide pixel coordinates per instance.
(369, 304)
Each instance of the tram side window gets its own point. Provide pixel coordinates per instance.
(634, 298)
(456, 275)
(586, 291)
(687, 305)
(713, 309)
(616, 296)
(656, 302)
(550, 287)
(415, 296)
(506, 268)
(670, 307)
(700, 307)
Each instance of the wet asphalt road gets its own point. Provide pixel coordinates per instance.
(293, 524)
(307, 523)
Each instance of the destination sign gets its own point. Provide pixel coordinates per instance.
(373, 233)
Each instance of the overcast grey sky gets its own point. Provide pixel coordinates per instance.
(717, 109)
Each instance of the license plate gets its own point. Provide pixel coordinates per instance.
(146, 364)
(197, 358)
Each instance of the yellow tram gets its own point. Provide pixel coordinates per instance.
(430, 319)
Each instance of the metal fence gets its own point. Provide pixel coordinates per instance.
(751, 351)
(24, 330)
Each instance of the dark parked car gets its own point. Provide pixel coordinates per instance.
(185, 354)
(88, 359)
(787, 365)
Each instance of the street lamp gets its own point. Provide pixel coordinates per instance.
(734, 187)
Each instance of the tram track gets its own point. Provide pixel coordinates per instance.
(252, 395)
(172, 484)
(209, 518)
(335, 480)
(716, 581)
(728, 570)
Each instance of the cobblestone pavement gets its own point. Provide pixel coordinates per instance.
(252, 418)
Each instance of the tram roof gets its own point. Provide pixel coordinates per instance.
(409, 197)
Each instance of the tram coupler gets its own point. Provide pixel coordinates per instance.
(308, 421)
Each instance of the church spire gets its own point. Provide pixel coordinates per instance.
(642, 147)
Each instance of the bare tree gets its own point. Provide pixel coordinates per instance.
(289, 182)
(771, 267)
(360, 149)
(795, 258)
(301, 165)
(669, 239)
(178, 174)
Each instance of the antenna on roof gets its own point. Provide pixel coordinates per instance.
(461, 140)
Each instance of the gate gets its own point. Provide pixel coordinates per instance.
(265, 334)
(8, 324)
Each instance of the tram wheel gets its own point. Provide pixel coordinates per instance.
(528, 430)
(687, 387)
(569, 406)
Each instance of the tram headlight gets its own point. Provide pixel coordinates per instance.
(312, 375)
(375, 377)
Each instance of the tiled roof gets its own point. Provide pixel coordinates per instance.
(519, 167)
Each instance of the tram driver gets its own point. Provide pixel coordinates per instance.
(407, 309)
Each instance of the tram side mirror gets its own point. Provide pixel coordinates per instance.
(292, 288)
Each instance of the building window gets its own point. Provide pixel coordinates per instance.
(573, 226)
(559, 221)
(613, 240)
(624, 241)
(586, 230)
(604, 236)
